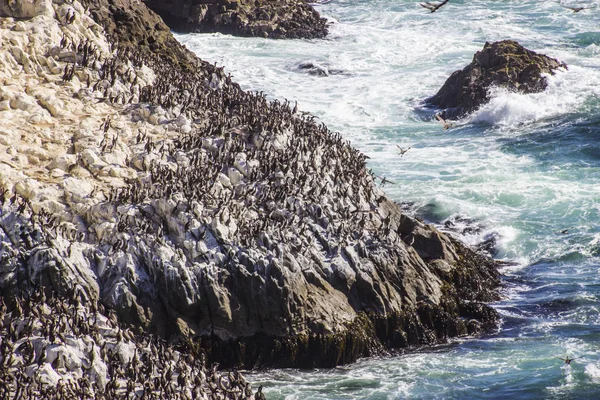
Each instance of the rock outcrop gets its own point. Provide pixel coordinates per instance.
(289, 19)
(146, 182)
(57, 340)
(504, 64)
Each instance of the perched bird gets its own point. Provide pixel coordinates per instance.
(259, 394)
(445, 124)
(71, 18)
(433, 7)
(401, 151)
(215, 82)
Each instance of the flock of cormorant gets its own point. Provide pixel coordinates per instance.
(69, 347)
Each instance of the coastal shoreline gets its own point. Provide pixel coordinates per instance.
(204, 214)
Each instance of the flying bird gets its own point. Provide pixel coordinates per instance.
(401, 151)
(575, 9)
(445, 124)
(433, 7)
(568, 360)
(385, 180)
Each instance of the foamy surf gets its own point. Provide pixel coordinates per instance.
(567, 93)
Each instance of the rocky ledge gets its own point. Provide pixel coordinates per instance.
(289, 19)
(141, 186)
(504, 64)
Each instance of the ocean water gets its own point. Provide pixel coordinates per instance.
(524, 170)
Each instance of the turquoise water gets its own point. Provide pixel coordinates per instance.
(522, 169)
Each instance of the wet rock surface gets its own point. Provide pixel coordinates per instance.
(290, 19)
(204, 214)
(318, 69)
(504, 64)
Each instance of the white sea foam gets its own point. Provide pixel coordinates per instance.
(567, 92)
(593, 371)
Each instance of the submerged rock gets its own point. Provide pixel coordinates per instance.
(313, 68)
(263, 18)
(504, 64)
(317, 69)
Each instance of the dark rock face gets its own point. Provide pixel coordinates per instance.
(135, 26)
(504, 64)
(263, 18)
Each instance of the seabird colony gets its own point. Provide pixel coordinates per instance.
(183, 205)
(57, 339)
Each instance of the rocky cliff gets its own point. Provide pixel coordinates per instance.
(142, 185)
(505, 64)
(57, 339)
(276, 19)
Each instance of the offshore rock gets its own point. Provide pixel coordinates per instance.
(160, 190)
(504, 64)
(290, 19)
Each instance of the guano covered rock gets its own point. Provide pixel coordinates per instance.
(161, 196)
